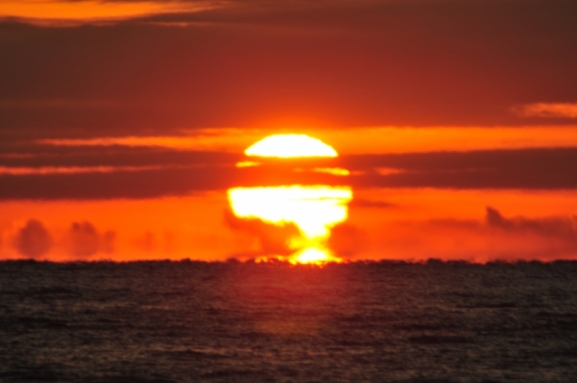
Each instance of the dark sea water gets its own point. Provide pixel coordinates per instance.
(227, 322)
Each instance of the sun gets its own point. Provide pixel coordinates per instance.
(290, 146)
(313, 209)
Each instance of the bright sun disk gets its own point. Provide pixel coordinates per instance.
(290, 146)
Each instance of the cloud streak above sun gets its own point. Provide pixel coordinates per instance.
(360, 140)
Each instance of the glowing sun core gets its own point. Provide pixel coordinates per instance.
(313, 209)
(290, 146)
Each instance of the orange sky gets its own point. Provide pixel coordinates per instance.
(388, 223)
(123, 121)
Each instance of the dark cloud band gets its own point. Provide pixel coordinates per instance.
(198, 172)
(368, 63)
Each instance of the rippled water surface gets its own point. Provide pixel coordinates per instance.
(227, 322)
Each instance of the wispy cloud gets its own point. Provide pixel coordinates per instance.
(74, 12)
(230, 140)
(361, 140)
(164, 142)
(544, 109)
(45, 170)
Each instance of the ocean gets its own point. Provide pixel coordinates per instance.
(244, 322)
